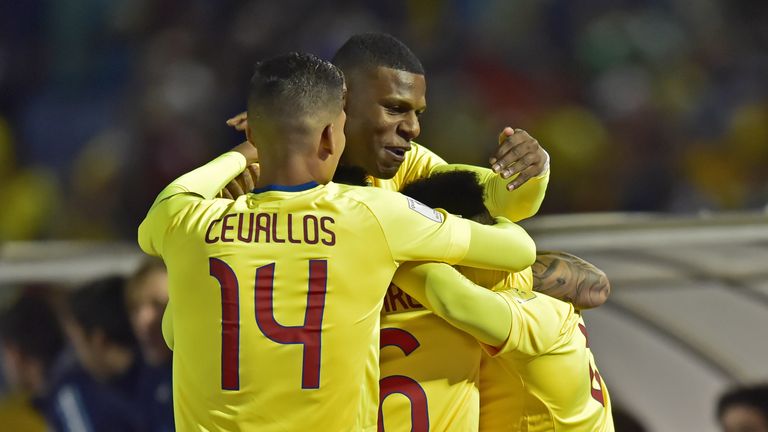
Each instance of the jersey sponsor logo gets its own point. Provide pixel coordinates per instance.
(425, 210)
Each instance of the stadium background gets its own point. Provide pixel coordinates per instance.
(645, 106)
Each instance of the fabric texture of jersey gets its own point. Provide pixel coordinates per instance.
(450, 388)
(276, 296)
(429, 370)
(522, 203)
(544, 378)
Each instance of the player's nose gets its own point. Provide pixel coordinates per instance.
(410, 128)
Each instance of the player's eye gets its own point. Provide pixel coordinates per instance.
(396, 109)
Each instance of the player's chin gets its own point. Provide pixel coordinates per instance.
(387, 171)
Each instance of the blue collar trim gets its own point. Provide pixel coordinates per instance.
(281, 188)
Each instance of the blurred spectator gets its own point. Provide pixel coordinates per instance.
(31, 344)
(657, 106)
(29, 192)
(146, 297)
(744, 409)
(99, 394)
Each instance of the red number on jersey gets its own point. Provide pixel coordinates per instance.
(308, 334)
(594, 375)
(406, 386)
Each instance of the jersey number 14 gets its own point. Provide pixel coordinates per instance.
(307, 334)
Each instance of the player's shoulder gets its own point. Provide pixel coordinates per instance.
(422, 155)
(385, 204)
(364, 195)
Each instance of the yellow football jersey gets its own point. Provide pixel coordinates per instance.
(517, 205)
(276, 296)
(420, 391)
(429, 370)
(545, 377)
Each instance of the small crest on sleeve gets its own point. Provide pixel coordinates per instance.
(424, 210)
(521, 296)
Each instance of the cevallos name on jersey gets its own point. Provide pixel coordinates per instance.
(272, 228)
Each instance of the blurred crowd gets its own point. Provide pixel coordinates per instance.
(644, 105)
(92, 359)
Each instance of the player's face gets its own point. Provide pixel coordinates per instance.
(383, 109)
(146, 303)
(743, 419)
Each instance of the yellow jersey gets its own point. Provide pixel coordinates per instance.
(421, 391)
(544, 378)
(271, 327)
(517, 205)
(429, 370)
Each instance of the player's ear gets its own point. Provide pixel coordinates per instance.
(248, 135)
(328, 144)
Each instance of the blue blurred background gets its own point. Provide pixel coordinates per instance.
(644, 105)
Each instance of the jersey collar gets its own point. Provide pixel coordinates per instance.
(281, 188)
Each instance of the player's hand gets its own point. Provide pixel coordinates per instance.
(246, 181)
(239, 122)
(243, 183)
(518, 152)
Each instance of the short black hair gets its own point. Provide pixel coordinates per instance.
(30, 326)
(457, 192)
(294, 85)
(100, 305)
(372, 50)
(755, 396)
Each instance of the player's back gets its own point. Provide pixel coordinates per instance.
(273, 324)
(429, 370)
(549, 382)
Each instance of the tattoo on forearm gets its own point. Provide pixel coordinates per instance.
(570, 278)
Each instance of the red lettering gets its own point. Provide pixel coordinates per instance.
(225, 227)
(290, 230)
(404, 385)
(395, 294)
(594, 375)
(331, 240)
(230, 323)
(413, 303)
(262, 225)
(310, 333)
(208, 238)
(240, 228)
(314, 229)
(274, 230)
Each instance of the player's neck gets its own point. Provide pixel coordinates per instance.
(289, 172)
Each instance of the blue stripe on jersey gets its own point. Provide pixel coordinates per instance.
(282, 188)
(71, 409)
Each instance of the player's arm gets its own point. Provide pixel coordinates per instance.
(515, 187)
(506, 321)
(416, 232)
(451, 296)
(569, 278)
(517, 204)
(503, 246)
(202, 183)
